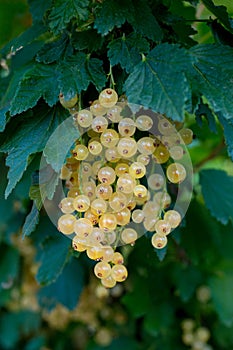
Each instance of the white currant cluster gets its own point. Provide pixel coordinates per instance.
(116, 188)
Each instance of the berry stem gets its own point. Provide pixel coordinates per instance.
(112, 81)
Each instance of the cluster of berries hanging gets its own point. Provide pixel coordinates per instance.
(117, 181)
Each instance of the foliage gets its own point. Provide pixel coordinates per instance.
(155, 53)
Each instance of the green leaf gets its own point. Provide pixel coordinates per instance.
(161, 253)
(31, 221)
(228, 133)
(35, 195)
(66, 290)
(212, 66)
(81, 40)
(127, 51)
(203, 110)
(39, 81)
(63, 11)
(15, 325)
(217, 187)
(112, 14)
(159, 81)
(30, 136)
(55, 50)
(221, 286)
(76, 73)
(54, 258)
(9, 265)
(186, 280)
(65, 134)
(220, 12)
(144, 22)
(38, 9)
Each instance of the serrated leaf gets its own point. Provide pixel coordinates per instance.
(127, 51)
(30, 136)
(53, 259)
(144, 22)
(221, 286)
(217, 187)
(212, 67)
(159, 81)
(63, 11)
(220, 12)
(55, 50)
(112, 14)
(39, 81)
(31, 221)
(66, 290)
(228, 133)
(76, 73)
(204, 110)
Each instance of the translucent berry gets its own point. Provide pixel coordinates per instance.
(146, 145)
(117, 258)
(173, 217)
(161, 154)
(114, 114)
(138, 216)
(109, 138)
(121, 168)
(106, 175)
(89, 190)
(165, 127)
(103, 191)
(81, 203)
(84, 118)
(163, 199)
(186, 135)
(137, 170)
(144, 122)
(95, 253)
(123, 217)
(159, 241)
(176, 173)
(118, 201)
(68, 103)
(108, 222)
(95, 147)
(126, 183)
(66, 224)
(99, 124)
(98, 206)
(83, 227)
(129, 235)
(102, 269)
(162, 227)
(80, 152)
(144, 159)
(176, 152)
(140, 191)
(156, 181)
(108, 98)
(108, 282)
(126, 127)
(127, 147)
(97, 109)
(112, 155)
(119, 273)
(94, 219)
(79, 247)
(66, 205)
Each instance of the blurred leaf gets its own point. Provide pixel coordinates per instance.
(220, 12)
(159, 81)
(161, 253)
(81, 40)
(62, 12)
(19, 146)
(186, 280)
(9, 265)
(127, 51)
(118, 343)
(159, 317)
(67, 288)
(15, 325)
(38, 9)
(53, 259)
(31, 221)
(76, 73)
(203, 110)
(217, 187)
(55, 50)
(221, 286)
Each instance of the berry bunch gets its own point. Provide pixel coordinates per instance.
(117, 178)
(195, 337)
